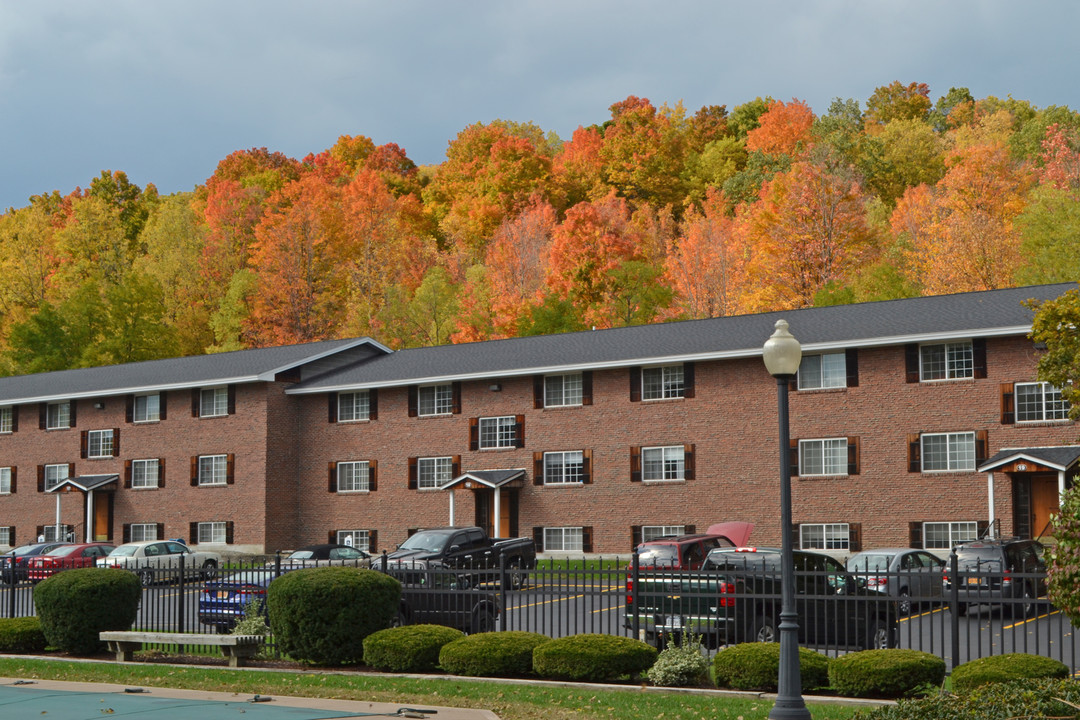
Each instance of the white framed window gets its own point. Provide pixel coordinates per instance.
(652, 532)
(663, 463)
(99, 443)
(58, 415)
(563, 468)
(211, 532)
(55, 474)
(7, 536)
(5, 481)
(7, 420)
(433, 472)
(213, 469)
(435, 399)
(498, 432)
(947, 361)
(214, 402)
(144, 473)
(1039, 402)
(661, 383)
(948, 451)
(146, 408)
(53, 533)
(562, 390)
(359, 539)
(828, 370)
(828, 456)
(564, 539)
(142, 532)
(354, 406)
(353, 476)
(943, 535)
(824, 536)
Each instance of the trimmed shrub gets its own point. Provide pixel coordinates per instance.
(756, 666)
(1003, 668)
(322, 615)
(889, 673)
(75, 605)
(492, 654)
(409, 648)
(21, 635)
(593, 657)
(1018, 699)
(680, 665)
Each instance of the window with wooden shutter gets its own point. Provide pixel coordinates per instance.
(413, 473)
(373, 404)
(332, 410)
(793, 457)
(854, 456)
(538, 538)
(635, 536)
(414, 401)
(915, 535)
(127, 474)
(982, 446)
(373, 475)
(914, 453)
(635, 384)
(474, 433)
(688, 380)
(519, 431)
(978, 358)
(851, 363)
(230, 469)
(586, 387)
(688, 462)
(538, 392)
(455, 402)
(231, 409)
(332, 473)
(854, 537)
(911, 363)
(538, 468)
(586, 467)
(1008, 404)
(587, 539)
(635, 464)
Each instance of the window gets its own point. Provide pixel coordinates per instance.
(1039, 401)
(6, 487)
(58, 415)
(947, 361)
(823, 457)
(652, 532)
(211, 532)
(144, 473)
(55, 474)
(214, 402)
(213, 470)
(53, 533)
(828, 370)
(7, 420)
(498, 432)
(565, 539)
(943, 535)
(7, 536)
(146, 408)
(359, 539)
(563, 390)
(948, 451)
(141, 532)
(824, 536)
(661, 383)
(435, 400)
(353, 476)
(663, 463)
(561, 468)
(433, 472)
(99, 443)
(353, 406)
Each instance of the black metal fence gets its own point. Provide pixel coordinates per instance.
(956, 615)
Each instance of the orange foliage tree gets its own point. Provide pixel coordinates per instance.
(784, 129)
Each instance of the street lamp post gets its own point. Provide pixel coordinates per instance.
(782, 354)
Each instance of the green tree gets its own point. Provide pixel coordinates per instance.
(954, 108)
(744, 118)
(61, 337)
(1064, 567)
(136, 329)
(426, 317)
(1055, 325)
(1050, 230)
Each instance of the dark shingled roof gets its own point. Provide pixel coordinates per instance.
(1062, 457)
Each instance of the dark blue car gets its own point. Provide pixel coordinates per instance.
(225, 601)
(17, 561)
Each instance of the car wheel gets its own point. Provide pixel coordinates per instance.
(765, 630)
(961, 609)
(1027, 603)
(879, 636)
(483, 620)
(518, 578)
(209, 570)
(146, 577)
(400, 619)
(904, 602)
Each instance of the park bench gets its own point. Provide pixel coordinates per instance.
(237, 648)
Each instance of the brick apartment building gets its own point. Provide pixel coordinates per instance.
(913, 422)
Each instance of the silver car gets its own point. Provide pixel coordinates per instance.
(908, 575)
(157, 560)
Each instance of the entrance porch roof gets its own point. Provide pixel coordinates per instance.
(1060, 459)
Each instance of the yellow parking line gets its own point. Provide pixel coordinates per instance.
(923, 614)
(1027, 620)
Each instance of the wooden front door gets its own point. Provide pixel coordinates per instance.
(508, 511)
(103, 503)
(1044, 503)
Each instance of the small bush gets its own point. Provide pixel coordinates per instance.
(890, 673)
(322, 615)
(680, 665)
(409, 648)
(492, 654)
(1018, 699)
(756, 666)
(21, 635)
(593, 657)
(75, 605)
(1002, 668)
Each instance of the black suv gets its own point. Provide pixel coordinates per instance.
(998, 569)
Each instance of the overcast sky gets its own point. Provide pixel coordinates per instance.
(164, 89)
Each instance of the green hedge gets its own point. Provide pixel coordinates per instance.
(409, 648)
(889, 673)
(75, 605)
(21, 635)
(593, 657)
(1002, 668)
(492, 654)
(996, 701)
(756, 666)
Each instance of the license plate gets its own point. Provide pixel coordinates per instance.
(674, 622)
(222, 594)
(973, 581)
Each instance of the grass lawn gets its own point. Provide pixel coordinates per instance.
(510, 702)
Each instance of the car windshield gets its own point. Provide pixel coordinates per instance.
(124, 551)
(769, 561)
(982, 556)
(63, 551)
(869, 562)
(301, 555)
(426, 542)
(659, 555)
(21, 551)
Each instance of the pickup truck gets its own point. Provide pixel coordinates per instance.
(471, 550)
(735, 597)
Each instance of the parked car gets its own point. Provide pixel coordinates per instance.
(470, 548)
(907, 575)
(15, 563)
(687, 552)
(154, 560)
(998, 569)
(65, 557)
(326, 554)
(437, 594)
(224, 601)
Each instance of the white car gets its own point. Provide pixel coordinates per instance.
(154, 559)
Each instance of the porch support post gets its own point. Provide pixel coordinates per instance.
(451, 507)
(1061, 487)
(990, 495)
(58, 536)
(498, 512)
(89, 516)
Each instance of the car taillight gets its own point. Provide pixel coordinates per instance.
(724, 589)
(1006, 580)
(877, 582)
(629, 591)
(251, 590)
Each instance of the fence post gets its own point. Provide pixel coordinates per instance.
(383, 561)
(277, 564)
(635, 574)
(954, 604)
(180, 596)
(504, 581)
(11, 583)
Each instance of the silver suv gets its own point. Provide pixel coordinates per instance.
(1004, 569)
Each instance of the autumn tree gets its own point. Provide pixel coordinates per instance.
(644, 152)
(904, 154)
(92, 244)
(783, 129)
(955, 108)
(28, 257)
(897, 101)
(746, 117)
(1049, 224)
(577, 169)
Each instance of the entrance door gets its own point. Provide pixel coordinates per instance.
(508, 511)
(103, 504)
(1044, 502)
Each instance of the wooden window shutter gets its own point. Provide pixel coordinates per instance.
(982, 446)
(414, 401)
(228, 532)
(331, 537)
(196, 394)
(978, 357)
(43, 414)
(129, 408)
(373, 540)
(851, 363)
(854, 537)
(41, 478)
(1008, 404)
(414, 474)
(915, 534)
(455, 394)
(538, 538)
(796, 536)
(635, 536)
(793, 457)
(586, 387)
(911, 363)
(159, 531)
(14, 425)
(116, 442)
(538, 468)
(71, 470)
(127, 473)
(373, 475)
(193, 533)
(635, 384)
(586, 467)
(981, 528)
(231, 393)
(689, 529)
(519, 431)
(83, 444)
(194, 470)
(688, 380)
(163, 404)
(474, 433)
(40, 530)
(455, 466)
(538, 391)
(230, 469)
(125, 534)
(635, 464)
(914, 455)
(71, 413)
(586, 538)
(332, 403)
(688, 462)
(161, 472)
(854, 456)
(14, 484)
(373, 404)
(332, 476)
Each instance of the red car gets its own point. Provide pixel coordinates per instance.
(687, 552)
(66, 557)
